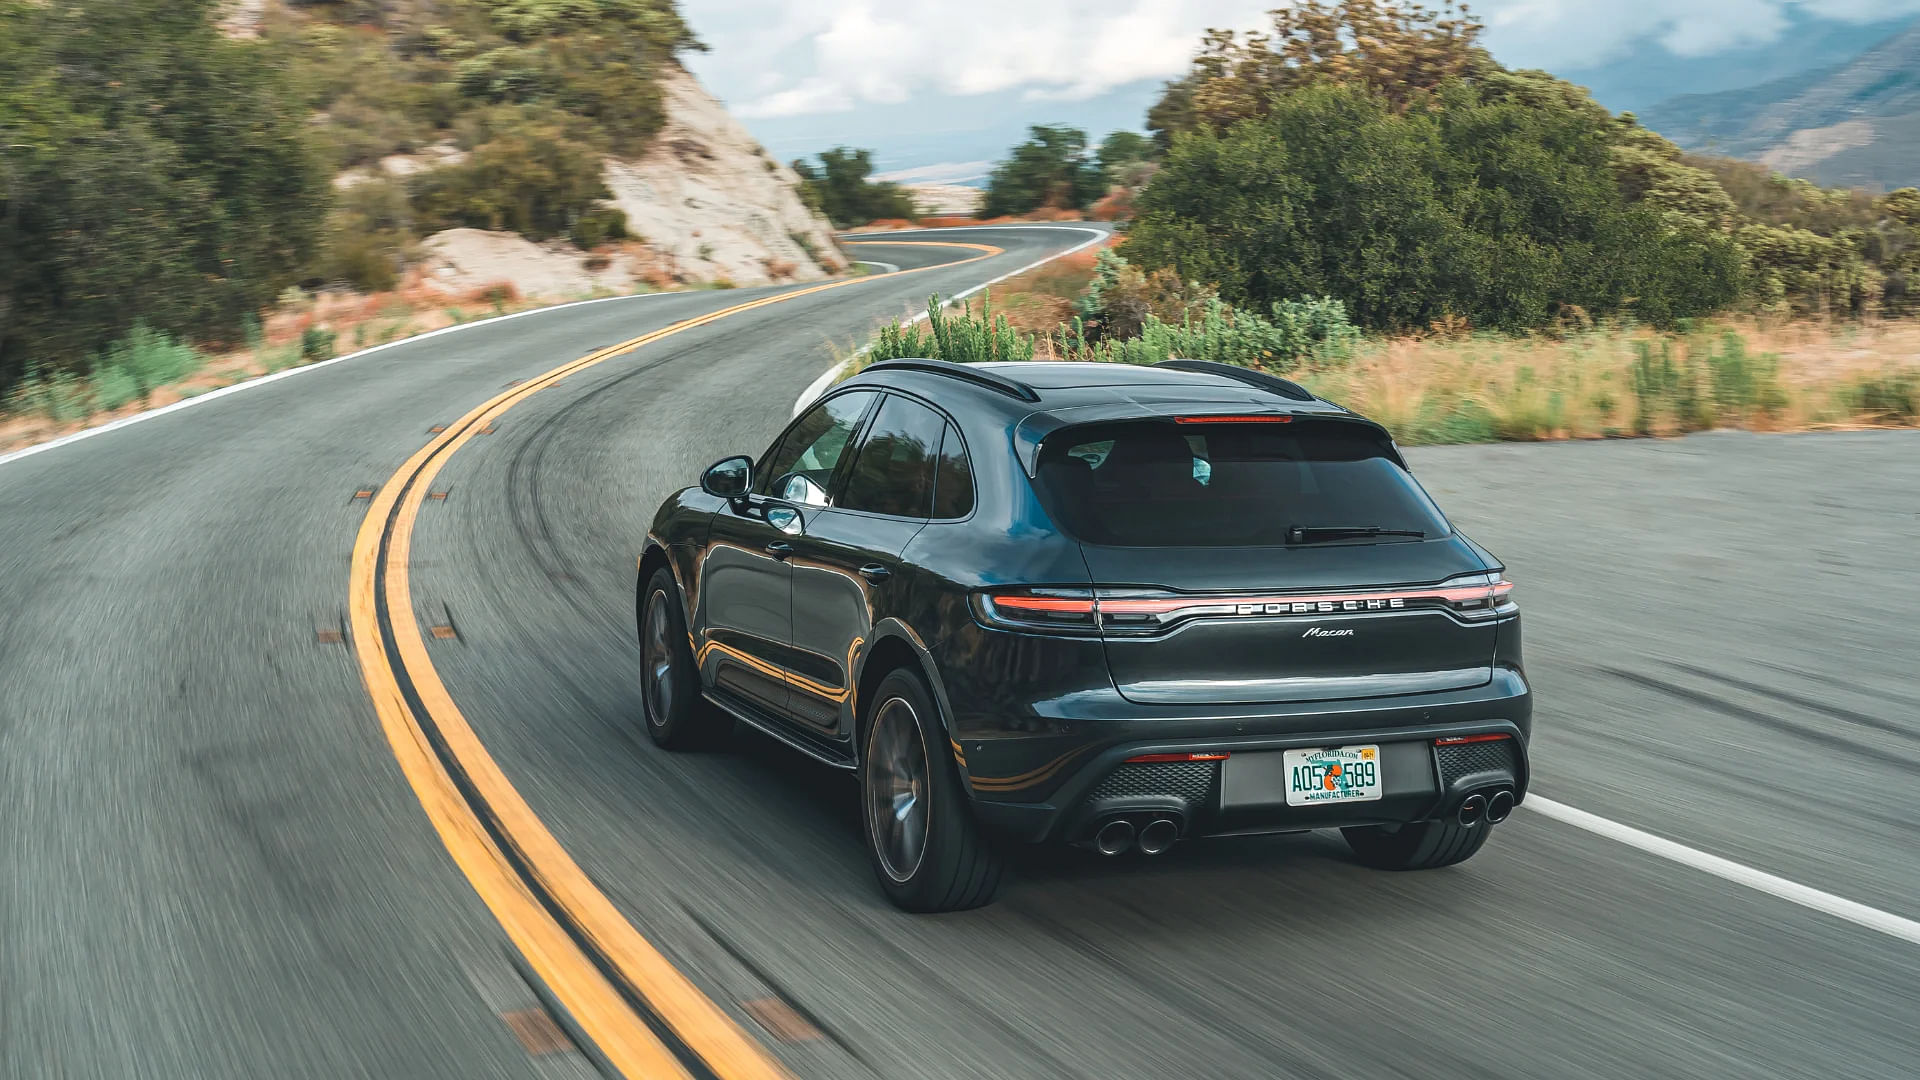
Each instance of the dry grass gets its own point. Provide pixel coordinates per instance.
(357, 320)
(1041, 300)
(1792, 377)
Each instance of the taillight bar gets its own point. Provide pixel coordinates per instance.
(1127, 610)
(1168, 759)
(1462, 740)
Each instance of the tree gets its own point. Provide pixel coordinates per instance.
(1401, 50)
(150, 170)
(1121, 149)
(840, 189)
(1051, 169)
(1470, 204)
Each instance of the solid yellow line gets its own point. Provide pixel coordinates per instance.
(596, 1004)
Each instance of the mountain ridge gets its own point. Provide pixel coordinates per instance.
(1854, 124)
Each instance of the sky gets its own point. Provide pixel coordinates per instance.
(940, 89)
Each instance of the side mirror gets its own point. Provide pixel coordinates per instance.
(728, 479)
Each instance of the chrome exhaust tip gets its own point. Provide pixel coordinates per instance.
(1499, 806)
(1158, 836)
(1471, 810)
(1114, 837)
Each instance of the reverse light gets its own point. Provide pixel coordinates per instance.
(1168, 759)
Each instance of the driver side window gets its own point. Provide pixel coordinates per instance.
(799, 468)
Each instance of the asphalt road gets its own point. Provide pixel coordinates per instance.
(215, 869)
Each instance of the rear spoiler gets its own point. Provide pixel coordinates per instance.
(1035, 428)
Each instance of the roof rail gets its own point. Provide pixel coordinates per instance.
(1286, 388)
(1013, 388)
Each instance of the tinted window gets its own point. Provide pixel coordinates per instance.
(800, 466)
(1155, 484)
(894, 472)
(953, 479)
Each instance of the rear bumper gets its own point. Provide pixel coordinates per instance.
(1058, 779)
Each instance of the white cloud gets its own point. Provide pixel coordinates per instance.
(858, 52)
(1565, 34)
(783, 58)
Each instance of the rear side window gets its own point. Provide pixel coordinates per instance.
(894, 473)
(1160, 484)
(953, 480)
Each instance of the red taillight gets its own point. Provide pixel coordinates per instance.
(1252, 419)
(1048, 604)
(1166, 759)
(1462, 740)
(1137, 611)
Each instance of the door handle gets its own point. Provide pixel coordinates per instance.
(780, 549)
(875, 573)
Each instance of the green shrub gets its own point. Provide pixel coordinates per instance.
(149, 358)
(962, 337)
(1744, 385)
(1894, 395)
(114, 387)
(597, 226)
(534, 175)
(369, 236)
(316, 344)
(1300, 332)
(57, 395)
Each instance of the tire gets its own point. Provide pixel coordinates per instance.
(927, 851)
(1422, 845)
(677, 717)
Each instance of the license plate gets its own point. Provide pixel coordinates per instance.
(1334, 775)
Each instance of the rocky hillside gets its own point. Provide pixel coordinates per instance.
(707, 196)
(1855, 125)
(556, 147)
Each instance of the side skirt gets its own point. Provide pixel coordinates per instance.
(824, 752)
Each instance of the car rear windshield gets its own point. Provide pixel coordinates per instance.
(1161, 484)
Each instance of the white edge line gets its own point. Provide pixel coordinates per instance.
(212, 395)
(1759, 880)
(819, 386)
(888, 267)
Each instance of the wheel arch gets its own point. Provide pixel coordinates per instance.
(654, 557)
(895, 646)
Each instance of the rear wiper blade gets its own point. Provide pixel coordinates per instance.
(1309, 534)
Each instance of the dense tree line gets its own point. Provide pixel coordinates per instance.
(149, 170)
(154, 171)
(1372, 150)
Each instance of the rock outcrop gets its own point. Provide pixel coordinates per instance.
(711, 203)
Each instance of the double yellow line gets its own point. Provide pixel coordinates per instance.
(609, 978)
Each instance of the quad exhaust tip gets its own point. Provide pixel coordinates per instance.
(1499, 806)
(1472, 809)
(1114, 837)
(1158, 836)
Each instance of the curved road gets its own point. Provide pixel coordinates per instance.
(215, 866)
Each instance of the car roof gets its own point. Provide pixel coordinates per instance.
(1020, 388)
(1034, 399)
